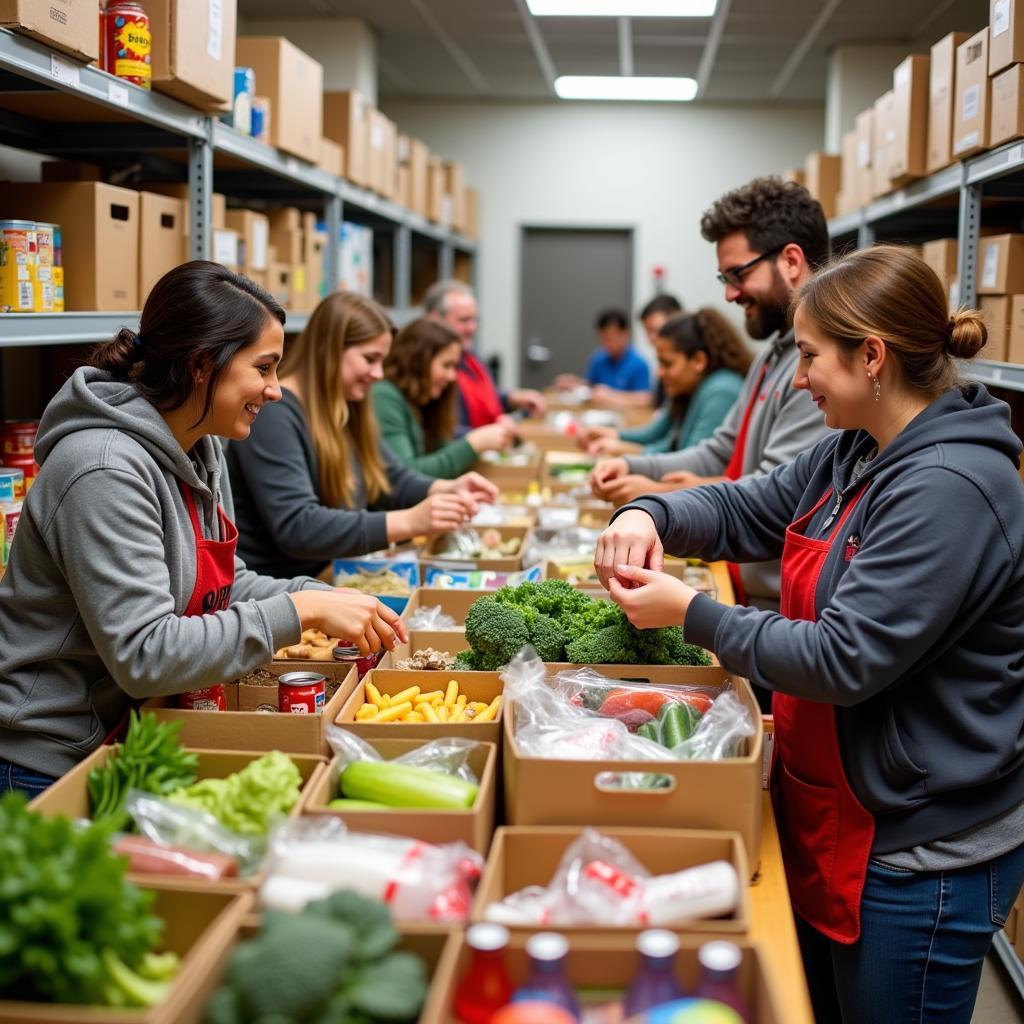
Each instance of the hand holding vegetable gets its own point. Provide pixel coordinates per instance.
(631, 539)
(655, 599)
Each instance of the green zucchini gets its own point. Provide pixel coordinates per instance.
(678, 722)
(401, 785)
(344, 804)
(650, 731)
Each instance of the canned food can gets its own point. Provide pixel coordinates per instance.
(26, 464)
(12, 485)
(363, 664)
(11, 514)
(301, 693)
(213, 698)
(18, 437)
(127, 42)
(44, 287)
(18, 266)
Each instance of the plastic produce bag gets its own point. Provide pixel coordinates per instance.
(431, 617)
(571, 543)
(599, 882)
(502, 515)
(450, 755)
(313, 857)
(721, 732)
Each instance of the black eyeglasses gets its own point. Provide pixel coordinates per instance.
(734, 275)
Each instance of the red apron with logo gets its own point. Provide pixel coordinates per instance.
(735, 470)
(825, 832)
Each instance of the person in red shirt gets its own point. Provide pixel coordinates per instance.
(480, 401)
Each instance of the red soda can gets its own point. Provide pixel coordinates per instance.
(213, 698)
(301, 693)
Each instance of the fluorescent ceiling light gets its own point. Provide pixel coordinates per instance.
(622, 8)
(606, 87)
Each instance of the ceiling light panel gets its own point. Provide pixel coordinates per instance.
(622, 8)
(601, 87)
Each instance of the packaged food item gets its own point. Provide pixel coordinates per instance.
(18, 437)
(45, 296)
(58, 270)
(212, 698)
(301, 693)
(17, 266)
(241, 108)
(128, 42)
(11, 513)
(12, 485)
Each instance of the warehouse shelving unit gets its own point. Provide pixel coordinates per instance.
(52, 106)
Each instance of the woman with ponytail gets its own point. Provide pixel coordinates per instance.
(123, 582)
(701, 365)
(896, 661)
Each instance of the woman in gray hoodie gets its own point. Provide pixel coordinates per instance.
(123, 582)
(897, 658)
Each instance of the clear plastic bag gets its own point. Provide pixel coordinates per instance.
(599, 882)
(570, 543)
(502, 515)
(451, 576)
(431, 617)
(450, 755)
(720, 733)
(313, 857)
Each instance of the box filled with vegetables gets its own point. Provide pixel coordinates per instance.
(184, 817)
(376, 791)
(427, 651)
(82, 940)
(566, 469)
(391, 581)
(499, 548)
(547, 858)
(258, 724)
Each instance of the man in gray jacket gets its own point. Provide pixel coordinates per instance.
(770, 236)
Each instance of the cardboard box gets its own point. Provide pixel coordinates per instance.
(522, 856)
(198, 926)
(70, 170)
(908, 157)
(973, 97)
(941, 255)
(448, 641)
(287, 242)
(718, 795)
(1006, 116)
(403, 187)
(419, 177)
(194, 50)
(609, 963)
(864, 125)
(1015, 348)
(941, 96)
(69, 26)
(224, 248)
(822, 178)
(294, 82)
(436, 209)
(100, 229)
(1006, 35)
(315, 249)
(478, 686)
(455, 603)
(162, 244)
(250, 727)
(474, 826)
(795, 174)
(332, 157)
(345, 122)
(508, 563)
(472, 213)
(996, 310)
(383, 153)
(279, 280)
(1001, 270)
(455, 186)
(509, 476)
(253, 238)
(882, 139)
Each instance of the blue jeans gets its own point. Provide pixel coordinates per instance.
(924, 936)
(23, 780)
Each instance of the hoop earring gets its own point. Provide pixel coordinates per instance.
(878, 387)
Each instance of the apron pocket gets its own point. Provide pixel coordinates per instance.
(809, 830)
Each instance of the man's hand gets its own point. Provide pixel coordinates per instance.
(630, 540)
(650, 599)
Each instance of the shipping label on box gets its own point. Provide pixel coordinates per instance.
(253, 231)
(973, 95)
(225, 248)
(881, 144)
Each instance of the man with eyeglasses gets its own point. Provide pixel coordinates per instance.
(770, 236)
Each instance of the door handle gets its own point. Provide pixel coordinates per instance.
(538, 354)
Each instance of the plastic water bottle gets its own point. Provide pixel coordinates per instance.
(546, 982)
(655, 983)
(486, 987)
(720, 963)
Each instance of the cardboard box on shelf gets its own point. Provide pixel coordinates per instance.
(848, 197)
(973, 97)
(279, 279)
(100, 236)
(287, 242)
(224, 248)
(314, 250)
(1001, 265)
(822, 176)
(1007, 110)
(71, 26)
(252, 726)
(941, 96)
(253, 237)
(529, 856)
(419, 177)
(162, 244)
(883, 137)
(1006, 34)
(332, 157)
(941, 255)
(796, 174)
(389, 167)
(472, 213)
(403, 187)
(473, 826)
(996, 311)
(294, 82)
(908, 156)
(70, 170)
(193, 51)
(1015, 347)
(455, 186)
(436, 208)
(345, 122)
(864, 126)
(376, 135)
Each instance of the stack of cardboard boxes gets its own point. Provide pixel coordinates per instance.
(1001, 296)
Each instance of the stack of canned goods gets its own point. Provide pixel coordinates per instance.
(31, 267)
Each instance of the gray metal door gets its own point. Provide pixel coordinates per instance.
(568, 276)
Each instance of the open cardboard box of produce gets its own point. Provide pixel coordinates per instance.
(543, 436)
(474, 826)
(511, 475)
(199, 928)
(610, 962)
(69, 796)
(433, 553)
(450, 642)
(522, 856)
(455, 603)
(721, 795)
(558, 463)
(256, 724)
(478, 686)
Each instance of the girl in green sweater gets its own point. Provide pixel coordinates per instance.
(415, 404)
(701, 364)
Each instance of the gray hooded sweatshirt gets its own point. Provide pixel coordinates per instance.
(102, 569)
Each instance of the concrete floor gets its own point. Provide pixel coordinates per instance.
(998, 1001)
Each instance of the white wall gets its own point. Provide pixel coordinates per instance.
(655, 168)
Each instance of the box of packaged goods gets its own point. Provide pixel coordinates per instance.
(941, 100)
(99, 226)
(162, 244)
(294, 83)
(355, 264)
(396, 786)
(253, 230)
(239, 116)
(973, 97)
(864, 125)
(822, 177)
(604, 978)
(345, 122)
(332, 157)
(314, 243)
(997, 312)
(436, 207)
(193, 50)
(1001, 265)
(1007, 111)
(261, 115)
(941, 255)
(69, 26)
(1006, 35)
(908, 155)
(499, 548)
(883, 136)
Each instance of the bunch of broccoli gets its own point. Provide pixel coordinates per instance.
(565, 624)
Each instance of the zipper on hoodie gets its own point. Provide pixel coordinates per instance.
(832, 515)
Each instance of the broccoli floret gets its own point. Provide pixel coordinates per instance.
(496, 631)
(666, 646)
(548, 638)
(593, 616)
(610, 645)
(474, 661)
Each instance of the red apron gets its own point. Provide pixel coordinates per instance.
(825, 832)
(483, 403)
(735, 470)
